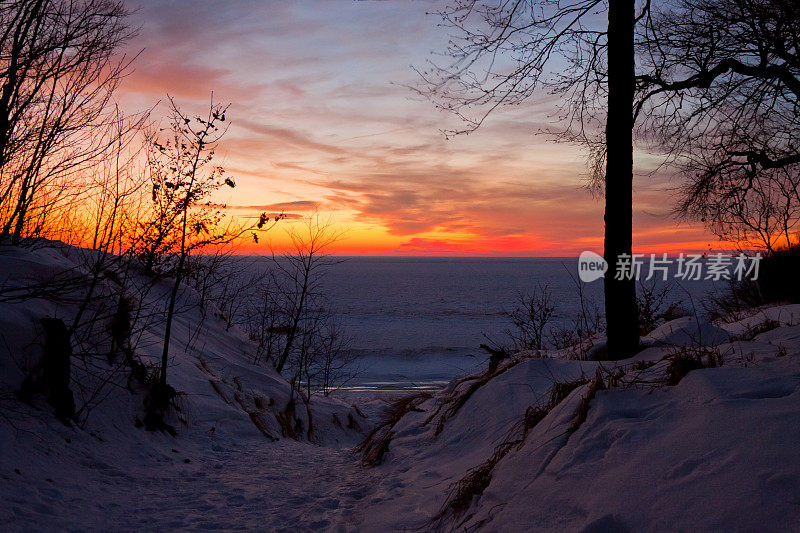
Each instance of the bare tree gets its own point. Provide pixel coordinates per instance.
(115, 186)
(334, 358)
(183, 178)
(230, 284)
(502, 52)
(291, 318)
(300, 275)
(721, 98)
(58, 72)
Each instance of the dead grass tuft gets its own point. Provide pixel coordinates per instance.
(597, 384)
(351, 422)
(261, 403)
(291, 426)
(259, 420)
(680, 365)
(753, 331)
(376, 444)
(471, 486)
(450, 405)
(219, 391)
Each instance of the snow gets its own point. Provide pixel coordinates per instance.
(717, 451)
(687, 331)
(782, 314)
(219, 471)
(147, 485)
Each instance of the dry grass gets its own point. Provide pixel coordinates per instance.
(751, 332)
(376, 444)
(477, 480)
(597, 384)
(450, 405)
(291, 426)
(680, 365)
(351, 422)
(262, 403)
(219, 391)
(259, 420)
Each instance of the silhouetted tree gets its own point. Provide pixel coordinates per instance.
(722, 97)
(183, 178)
(504, 51)
(299, 276)
(58, 70)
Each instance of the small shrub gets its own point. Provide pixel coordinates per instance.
(51, 375)
(776, 283)
(739, 296)
(653, 308)
(157, 404)
(530, 317)
(680, 365)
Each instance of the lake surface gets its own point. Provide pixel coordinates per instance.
(417, 322)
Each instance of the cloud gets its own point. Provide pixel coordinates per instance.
(180, 80)
(320, 112)
(290, 136)
(297, 205)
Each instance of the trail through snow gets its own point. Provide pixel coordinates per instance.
(281, 486)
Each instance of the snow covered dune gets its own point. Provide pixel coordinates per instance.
(697, 432)
(716, 452)
(229, 462)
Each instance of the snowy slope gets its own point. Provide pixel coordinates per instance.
(229, 451)
(536, 445)
(717, 452)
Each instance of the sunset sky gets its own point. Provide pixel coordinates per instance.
(321, 117)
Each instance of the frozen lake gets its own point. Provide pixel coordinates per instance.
(419, 321)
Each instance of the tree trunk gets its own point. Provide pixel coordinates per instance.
(16, 238)
(622, 320)
(293, 330)
(173, 296)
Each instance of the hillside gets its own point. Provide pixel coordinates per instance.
(552, 444)
(697, 432)
(236, 447)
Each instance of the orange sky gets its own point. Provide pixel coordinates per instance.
(321, 119)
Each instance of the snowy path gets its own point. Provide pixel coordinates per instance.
(282, 486)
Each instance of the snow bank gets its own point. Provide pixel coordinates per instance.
(539, 444)
(55, 477)
(211, 367)
(784, 315)
(718, 451)
(687, 331)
